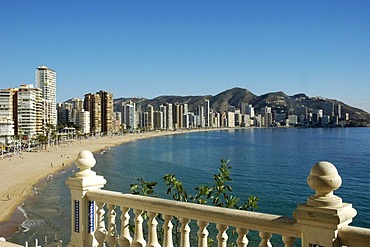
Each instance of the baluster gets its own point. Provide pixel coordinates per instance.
(185, 232)
(125, 238)
(101, 231)
(288, 241)
(242, 240)
(265, 239)
(139, 240)
(167, 228)
(152, 235)
(112, 236)
(222, 235)
(202, 234)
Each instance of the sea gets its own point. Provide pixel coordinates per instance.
(270, 163)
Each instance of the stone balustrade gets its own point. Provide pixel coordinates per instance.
(146, 221)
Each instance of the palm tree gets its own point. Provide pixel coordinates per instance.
(43, 140)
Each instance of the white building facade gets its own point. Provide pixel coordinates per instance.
(83, 121)
(30, 112)
(46, 81)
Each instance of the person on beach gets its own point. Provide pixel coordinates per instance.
(8, 196)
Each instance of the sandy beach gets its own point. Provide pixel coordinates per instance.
(19, 173)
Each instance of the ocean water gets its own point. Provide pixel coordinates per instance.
(272, 164)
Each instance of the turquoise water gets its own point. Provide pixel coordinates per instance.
(272, 164)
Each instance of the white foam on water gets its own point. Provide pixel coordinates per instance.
(20, 208)
(31, 223)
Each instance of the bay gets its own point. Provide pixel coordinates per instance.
(270, 163)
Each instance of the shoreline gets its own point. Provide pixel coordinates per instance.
(21, 172)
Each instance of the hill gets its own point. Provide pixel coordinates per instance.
(278, 101)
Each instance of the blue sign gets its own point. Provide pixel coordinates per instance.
(90, 216)
(77, 216)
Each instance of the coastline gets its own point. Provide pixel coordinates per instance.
(21, 172)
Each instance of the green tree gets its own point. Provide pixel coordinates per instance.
(219, 194)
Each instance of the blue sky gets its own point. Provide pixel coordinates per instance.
(147, 48)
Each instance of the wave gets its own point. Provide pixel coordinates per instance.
(21, 209)
(31, 223)
(27, 224)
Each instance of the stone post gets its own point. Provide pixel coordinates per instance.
(323, 213)
(83, 222)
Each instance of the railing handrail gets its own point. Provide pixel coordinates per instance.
(316, 222)
(354, 236)
(276, 224)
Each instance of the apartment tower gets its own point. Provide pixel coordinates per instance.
(107, 114)
(92, 104)
(100, 106)
(6, 116)
(46, 81)
(29, 111)
(207, 113)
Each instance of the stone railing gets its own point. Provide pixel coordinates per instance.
(322, 221)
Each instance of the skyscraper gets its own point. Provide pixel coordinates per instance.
(29, 111)
(328, 108)
(250, 110)
(169, 117)
(107, 116)
(150, 110)
(129, 115)
(92, 104)
(46, 81)
(207, 112)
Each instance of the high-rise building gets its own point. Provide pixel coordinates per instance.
(302, 113)
(30, 111)
(158, 120)
(117, 121)
(107, 116)
(293, 119)
(176, 116)
(266, 115)
(163, 109)
(65, 111)
(230, 119)
(83, 121)
(200, 113)
(169, 117)
(92, 104)
(77, 106)
(207, 113)
(100, 106)
(250, 110)
(6, 116)
(46, 81)
(338, 111)
(328, 108)
(150, 110)
(129, 115)
(6, 103)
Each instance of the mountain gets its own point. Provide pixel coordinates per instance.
(278, 101)
(232, 97)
